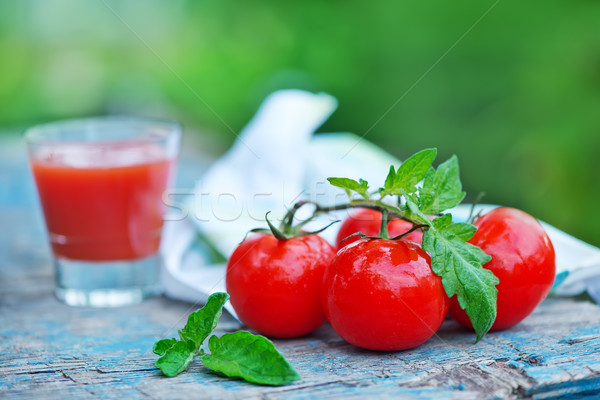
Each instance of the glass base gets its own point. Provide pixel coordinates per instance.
(107, 283)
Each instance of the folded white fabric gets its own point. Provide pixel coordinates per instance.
(277, 161)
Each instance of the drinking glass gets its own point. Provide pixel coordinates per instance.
(100, 182)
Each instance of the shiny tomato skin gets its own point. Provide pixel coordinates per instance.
(368, 222)
(523, 260)
(274, 285)
(382, 295)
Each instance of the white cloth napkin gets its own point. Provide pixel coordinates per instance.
(277, 161)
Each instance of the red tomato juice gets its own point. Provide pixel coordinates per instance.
(103, 213)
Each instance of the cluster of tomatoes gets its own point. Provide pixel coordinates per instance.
(381, 294)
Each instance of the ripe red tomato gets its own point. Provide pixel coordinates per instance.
(381, 294)
(274, 285)
(522, 259)
(368, 222)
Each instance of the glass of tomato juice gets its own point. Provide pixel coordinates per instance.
(100, 182)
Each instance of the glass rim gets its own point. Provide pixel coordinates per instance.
(41, 133)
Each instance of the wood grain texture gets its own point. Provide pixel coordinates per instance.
(52, 351)
(49, 350)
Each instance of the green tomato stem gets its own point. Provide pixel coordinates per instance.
(287, 223)
(383, 231)
(287, 230)
(376, 205)
(411, 230)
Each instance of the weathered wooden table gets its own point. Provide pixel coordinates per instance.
(49, 350)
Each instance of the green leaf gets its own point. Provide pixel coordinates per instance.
(462, 230)
(350, 185)
(250, 357)
(415, 212)
(163, 345)
(177, 358)
(442, 222)
(459, 264)
(410, 172)
(442, 188)
(202, 322)
(391, 177)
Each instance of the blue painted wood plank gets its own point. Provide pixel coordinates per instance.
(49, 350)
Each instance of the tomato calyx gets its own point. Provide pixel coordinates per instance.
(287, 230)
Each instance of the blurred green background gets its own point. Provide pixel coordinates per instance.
(517, 99)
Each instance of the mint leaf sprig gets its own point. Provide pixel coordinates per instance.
(241, 354)
(250, 357)
(457, 262)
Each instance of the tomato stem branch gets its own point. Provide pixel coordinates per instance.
(411, 230)
(287, 229)
(376, 205)
(288, 220)
(383, 231)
